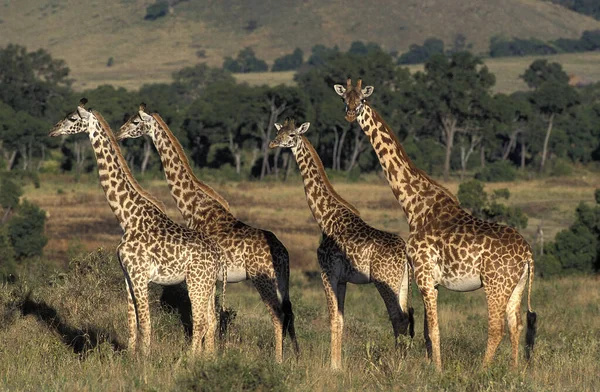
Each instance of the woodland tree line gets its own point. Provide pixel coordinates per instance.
(447, 117)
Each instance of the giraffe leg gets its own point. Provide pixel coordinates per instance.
(390, 294)
(432, 329)
(497, 300)
(330, 285)
(140, 298)
(202, 297)
(132, 321)
(513, 316)
(341, 299)
(267, 289)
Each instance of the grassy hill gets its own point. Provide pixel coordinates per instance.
(87, 34)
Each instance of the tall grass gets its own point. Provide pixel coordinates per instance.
(67, 331)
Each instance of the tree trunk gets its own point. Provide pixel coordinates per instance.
(266, 135)
(147, 152)
(464, 157)
(24, 156)
(41, 162)
(237, 155)
(482, 156)
(335, 146)
(276, 162)
(340, 148)
(10, 162)
(546, 139)
(358, 148)
(448, 129)
(512, 141)
(287, 163)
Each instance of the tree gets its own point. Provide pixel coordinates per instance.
(245, 62)
(10, 192)
(189, 82)
(453, 92)
(552, 95)
(288, 62)
(26, 230)
(421, 53)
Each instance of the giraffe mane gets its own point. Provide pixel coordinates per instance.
(123, 163)
(323, 175)
(411, 164)
(186, 163)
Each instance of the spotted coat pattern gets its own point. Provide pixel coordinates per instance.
(351, 251)
(447, 246)
(153, 247)
(249, 252)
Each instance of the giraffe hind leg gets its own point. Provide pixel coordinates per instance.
(513, 316)
(267, 288)
(497, 300)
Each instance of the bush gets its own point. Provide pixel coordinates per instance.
(7, 253)
(561, 168)
(245, 62)
(500, 47)
(10, 192)
(26, 230)
(233, 372)
(576, 248)
(419, 54)
(157, 10)
(472, 196)
(497, 171)
(548, 265)
(288, 62)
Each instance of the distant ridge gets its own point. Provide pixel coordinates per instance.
(86, 34)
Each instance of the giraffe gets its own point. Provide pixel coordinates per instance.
(250, 253)
(153, 247)
(351, 250)
(447, 246)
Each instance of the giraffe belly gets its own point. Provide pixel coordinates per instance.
(235, 274)
(462, 283)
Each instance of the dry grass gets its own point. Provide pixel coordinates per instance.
(68, 333)
(80, 216)
(87, 34)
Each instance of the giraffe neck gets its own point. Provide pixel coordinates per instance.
(198, 203)
(421, 198)
(327, 207)
(122, 191)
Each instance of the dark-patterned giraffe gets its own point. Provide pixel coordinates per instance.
(447, 246)
(153, 247)
(351, 250)
(250, 253)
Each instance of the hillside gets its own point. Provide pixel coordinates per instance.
(87, 34)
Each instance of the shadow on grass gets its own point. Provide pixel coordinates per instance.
(80, 340)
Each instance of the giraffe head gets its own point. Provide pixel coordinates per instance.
(353, 97)
(287, 134)
(138, 125)
(75, 122)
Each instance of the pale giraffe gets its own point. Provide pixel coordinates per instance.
(447, 246)
(250, 253)
(153, 247)
(351, 251)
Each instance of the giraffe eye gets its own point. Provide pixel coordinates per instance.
(72, 119)
(363, 100)
(136, 122)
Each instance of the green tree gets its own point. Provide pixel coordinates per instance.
(245, 62)
(289, 61)
(189, 82)
(26, 230)
(552, 95)
(421, 53)
(454, 93)
(10, 192)
(472, 196)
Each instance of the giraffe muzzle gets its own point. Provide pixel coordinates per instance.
(54, 132)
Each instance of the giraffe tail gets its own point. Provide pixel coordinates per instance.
(531, 317)
(288, 324)
(224, 314)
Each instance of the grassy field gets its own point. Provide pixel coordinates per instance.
(67, 331)
(79, 217)
(64, 327)
(87, 34)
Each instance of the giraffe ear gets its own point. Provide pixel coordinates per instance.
(278, 126)
(339, 89)
(302, 128)
(83, 113)
(144, 116)
(367, 91)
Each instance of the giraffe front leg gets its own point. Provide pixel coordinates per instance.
(330, 285)
(132, 320)
(432, 329)
(140, 293)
